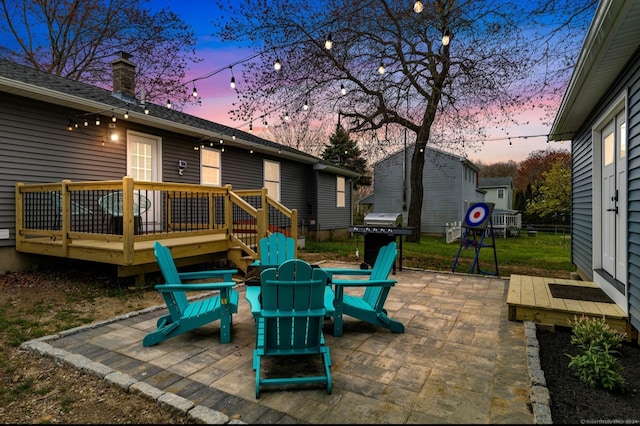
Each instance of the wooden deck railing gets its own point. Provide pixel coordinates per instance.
(129, 211)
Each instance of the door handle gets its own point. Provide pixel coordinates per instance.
(615, 209)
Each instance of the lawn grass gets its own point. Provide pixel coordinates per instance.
(546, 253)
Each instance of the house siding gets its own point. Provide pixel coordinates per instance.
(581, 204)
(328, 216)
(388, 184)
(31, 155)
(447, 192)
(582, 186)
(633, 196)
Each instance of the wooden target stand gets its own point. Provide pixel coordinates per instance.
(477, 226)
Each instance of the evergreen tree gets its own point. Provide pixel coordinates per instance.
(342, 151)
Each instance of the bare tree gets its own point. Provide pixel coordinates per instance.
(78, 39)
(445, 73)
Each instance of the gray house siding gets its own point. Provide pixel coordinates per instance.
(36, 147)
(31, 155)
(328, 216)
(633, 218)
(582, 187)
(388, 186)
(448, 189)
(581, 204)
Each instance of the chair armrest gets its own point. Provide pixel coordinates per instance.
(165, 288)
(252, 294)
(346, 271)
(364, 283)
(226, 274)
(329, 297)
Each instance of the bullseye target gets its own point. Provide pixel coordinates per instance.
(477, 215)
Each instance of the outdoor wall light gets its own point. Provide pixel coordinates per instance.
(113, 134)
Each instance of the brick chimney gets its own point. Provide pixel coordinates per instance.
(124, 77)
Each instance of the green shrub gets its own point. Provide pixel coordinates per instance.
(596, 364)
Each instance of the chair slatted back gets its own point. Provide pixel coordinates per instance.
(177, 300)
(276, 248)
(293, 306)
(380, 271)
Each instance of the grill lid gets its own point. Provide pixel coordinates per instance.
(383, 219)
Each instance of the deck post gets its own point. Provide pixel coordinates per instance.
(127, 220)
(66, 216)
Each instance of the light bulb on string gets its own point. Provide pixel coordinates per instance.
(233, 82)
(277, 65)
(343, 90)
(418, 6)
(113, 118)
(328, 44)
(195, 91)
(446, 37)
(97, 120)
(286, 116)
(381, 69)
(169, 103)
(126, 114)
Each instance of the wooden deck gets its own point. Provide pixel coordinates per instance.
(529, 299)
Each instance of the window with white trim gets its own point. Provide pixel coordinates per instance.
(500, 194)
(340, 191)
(272, 178)
(210, 166)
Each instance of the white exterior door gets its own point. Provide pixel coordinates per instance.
(614, 202)
(144, 164)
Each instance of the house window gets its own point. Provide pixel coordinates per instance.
(340, 191)
(500, 194)
(272, 179)
(210, 164)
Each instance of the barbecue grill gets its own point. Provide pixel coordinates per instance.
(388, 220)
(379, 230)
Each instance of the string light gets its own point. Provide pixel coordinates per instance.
(328, 44)
(446, 37)
(418, 8)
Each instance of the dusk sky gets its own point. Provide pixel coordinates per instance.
(217, 97)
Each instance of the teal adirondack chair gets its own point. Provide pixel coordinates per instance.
(275, 249)
(370, 306)
(289, 314)
(185, 315)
